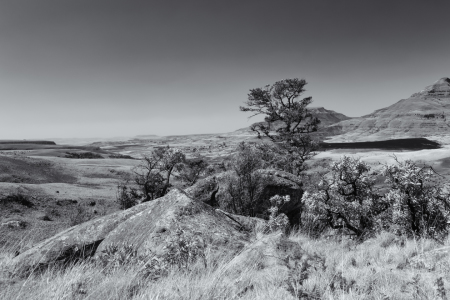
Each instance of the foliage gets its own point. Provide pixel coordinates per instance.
(345, 199)
(127, 196)
(121, 156)
(279, 158)
(153, 174)
(182, 250)
(17, 198)
(277, 221)
(192, 169)
(419, 202)
(246, 183)
(88, 155)
(280, 105)
(79, 216)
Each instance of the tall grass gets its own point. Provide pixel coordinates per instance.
(335, 268)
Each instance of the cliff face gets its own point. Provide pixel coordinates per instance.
(426, 113)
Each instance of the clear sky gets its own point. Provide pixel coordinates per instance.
(103, 68)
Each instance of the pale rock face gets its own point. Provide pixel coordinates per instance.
(424, 114)
(148, 226)
(439, 89)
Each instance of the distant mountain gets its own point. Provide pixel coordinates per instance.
(424, 114)
(327, 117)
(146, 136)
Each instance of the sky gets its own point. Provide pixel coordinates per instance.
(107, 68)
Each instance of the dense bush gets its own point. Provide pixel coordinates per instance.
(420, 204)
(191, 170)
(416, 204)
(121, 156)
(89, 155)
(277, 220)
(18, 198)
(345, 199)
(127, 196)
(246, 183)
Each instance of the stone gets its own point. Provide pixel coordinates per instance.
(147, 227)
(14, 224)
(212, 190)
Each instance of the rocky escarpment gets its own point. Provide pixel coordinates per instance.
(424, 114)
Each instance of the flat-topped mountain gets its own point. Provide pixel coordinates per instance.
(426, 113)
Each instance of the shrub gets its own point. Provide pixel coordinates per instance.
(127, 196)
(344, 199)
(277, 221)
(246, 183)
(419, 202)
(79, 216)
(89, 155)
(121, 156)
(17, 198)
(192, 169)
(182, 250)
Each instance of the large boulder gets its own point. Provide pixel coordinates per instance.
(212, 190)
(148, 226)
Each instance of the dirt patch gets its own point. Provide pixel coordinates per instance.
(31, 170)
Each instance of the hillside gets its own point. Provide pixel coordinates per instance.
(327, 117)
(424, 114)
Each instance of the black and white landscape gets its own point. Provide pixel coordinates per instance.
(224, 149)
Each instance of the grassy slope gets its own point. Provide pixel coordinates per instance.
(374, 269)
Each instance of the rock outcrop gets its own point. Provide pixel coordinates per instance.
(212, 190)
(148, 226)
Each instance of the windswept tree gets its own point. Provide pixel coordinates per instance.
(288, 121)
(153, 174)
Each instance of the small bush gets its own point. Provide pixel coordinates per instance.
(79, 216)
(182, 250)
(419, 201)
(121, 156)
(89, 155)
(344, 199)
(277, 221)
(126, 196)
(17, 198)
(245, 185)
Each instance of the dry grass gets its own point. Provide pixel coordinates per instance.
(343, 269)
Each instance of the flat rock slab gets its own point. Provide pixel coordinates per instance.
(148, 226)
